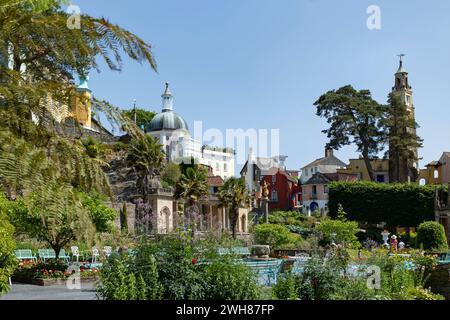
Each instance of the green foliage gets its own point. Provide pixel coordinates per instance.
(143, 117)
(354, 118)
(345, 232)
(55, 215)
(146, 159)
(170, 175)
(118, 282)
(102, 216)
(287, 218)
(431, 236)
(227, 280)
(319, 281)
(276, 236)
(180, 268)
(7, 259)
(93, 147)
(405, 205)
(234, 195)
(286, 287)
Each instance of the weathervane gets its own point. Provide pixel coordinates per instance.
(401, 57)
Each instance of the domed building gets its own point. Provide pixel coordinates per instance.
(173, 132)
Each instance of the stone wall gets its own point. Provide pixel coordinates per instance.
(440, 281)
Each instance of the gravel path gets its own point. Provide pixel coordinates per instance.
(30, 292)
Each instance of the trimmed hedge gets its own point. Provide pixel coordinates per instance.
(399, 205)
(431, 235)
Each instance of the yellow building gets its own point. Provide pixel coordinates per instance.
(432, 174)
(358, 166)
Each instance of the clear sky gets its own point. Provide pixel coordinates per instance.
(263, 63)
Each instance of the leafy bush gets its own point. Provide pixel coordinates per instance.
(287, 218)
(319, 281)
(102, 216)
(227, 280)
(405, 205)
(7, 245)
(431, 235)
(119, 282)
(345, 232)
(286, 287)
(276, 236)
(179, 268)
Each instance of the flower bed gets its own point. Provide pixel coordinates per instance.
(49, 273)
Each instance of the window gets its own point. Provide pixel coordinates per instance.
(326, 190)
(217, 167)
(274, 179)
(225, 167)
(274, 196)
(380, 178)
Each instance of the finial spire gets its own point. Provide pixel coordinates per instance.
(167, 98)
(400, 68)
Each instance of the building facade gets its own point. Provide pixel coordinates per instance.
(315, 191)
(358, 167)
(284, 190)
(327, 164)
(172, 131)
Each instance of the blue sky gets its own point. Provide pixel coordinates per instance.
(263, 63)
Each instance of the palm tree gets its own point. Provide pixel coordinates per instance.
(192, 186)
(146, 159)
(234, 195)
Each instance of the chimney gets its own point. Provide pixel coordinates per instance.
(329, 152)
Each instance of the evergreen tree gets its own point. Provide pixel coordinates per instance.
(354, 118)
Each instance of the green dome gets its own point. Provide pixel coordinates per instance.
(167, 120)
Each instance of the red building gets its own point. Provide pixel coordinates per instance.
(285, 190)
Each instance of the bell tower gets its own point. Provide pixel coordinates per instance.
(404, 92)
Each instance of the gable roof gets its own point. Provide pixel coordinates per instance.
(325, 178)
(215, 181)
(326, 161)
(318, 178)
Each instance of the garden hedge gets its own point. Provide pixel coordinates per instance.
(399, 205)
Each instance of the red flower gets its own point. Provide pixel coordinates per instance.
(194, 261)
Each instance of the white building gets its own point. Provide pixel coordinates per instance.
(328, 164)
(173, 132)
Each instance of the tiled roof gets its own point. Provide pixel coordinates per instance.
(327, 161)
(215, 181)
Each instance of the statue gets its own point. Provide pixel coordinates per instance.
(265, 191)
(394, 243)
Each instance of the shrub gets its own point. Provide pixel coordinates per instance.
(102, 216)
(287, 218)
(286, 287)
(7, 260)
(319, 281)
(405, 205)
(276, 236)
(431, 235)
(118, 282)
(227, 280)
(177, 267)
(345, 232)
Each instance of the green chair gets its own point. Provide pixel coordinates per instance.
(25, 254)
(46, 254)
(64, 256)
